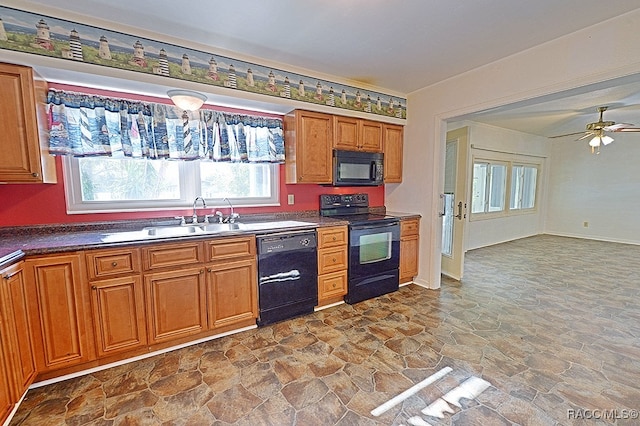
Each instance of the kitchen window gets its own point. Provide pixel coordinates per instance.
(103, 184)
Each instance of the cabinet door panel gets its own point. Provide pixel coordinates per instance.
(393, 140)
(370, 134)
(118, 313)
(176, 304)
(346, 133)
(408, 258)
(232, 292)
(6, 399)
(15, 312)
(58, 308)
(331, 285)
(21, 159)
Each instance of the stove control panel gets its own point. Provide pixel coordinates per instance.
(343, 200)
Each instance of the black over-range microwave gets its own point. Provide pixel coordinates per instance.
(351, 168)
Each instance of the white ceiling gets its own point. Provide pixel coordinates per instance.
(399, 45)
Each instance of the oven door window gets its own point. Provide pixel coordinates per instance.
(375, 247)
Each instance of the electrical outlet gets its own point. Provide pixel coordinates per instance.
(290, 199)
(585, 224)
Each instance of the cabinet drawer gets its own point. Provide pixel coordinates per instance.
(229, 248)
(332, 237)
(409, 227)
(105, 263)
(332, 260)
(331, 285)
(166, 255)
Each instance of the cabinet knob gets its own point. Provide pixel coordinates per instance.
(334, 260)
(334, 238)
(201, 271)
(334, 285)
(93, 287)
(114, 264)
(35, 174)
(209, 270)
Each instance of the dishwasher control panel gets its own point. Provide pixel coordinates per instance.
(283, 243)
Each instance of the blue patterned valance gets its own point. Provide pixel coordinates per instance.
(38, 34)
(86, 125)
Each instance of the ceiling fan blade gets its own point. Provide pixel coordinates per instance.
(587, 135)
(567, 134)
(628, 129)
(618, 126)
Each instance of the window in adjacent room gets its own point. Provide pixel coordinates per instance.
(489, 187)
(523, 186)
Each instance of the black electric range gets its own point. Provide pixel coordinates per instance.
(374, 245)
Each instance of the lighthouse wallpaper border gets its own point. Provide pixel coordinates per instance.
(32, 33)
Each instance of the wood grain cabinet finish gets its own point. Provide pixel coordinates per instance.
(309, 139)
(232, 286)
(172, 255)
(118, 314)
(332, 264)
(176, 303)
(393, 137)
(58, 296)
(23, 131)
(117, 300)
(355, 134)
(18, 369)
(110, 263)
(409, 249)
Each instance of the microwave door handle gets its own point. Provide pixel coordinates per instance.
(372, 171)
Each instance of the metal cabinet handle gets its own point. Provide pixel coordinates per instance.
(114, 264)
(9, 276)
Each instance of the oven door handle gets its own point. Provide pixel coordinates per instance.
(378, 226)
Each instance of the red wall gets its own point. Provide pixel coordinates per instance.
(34, 204)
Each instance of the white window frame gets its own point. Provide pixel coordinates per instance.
(535, 199)
(189, 190)
(491, 162)
(510, 160)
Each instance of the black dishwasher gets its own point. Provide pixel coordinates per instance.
(287, 275)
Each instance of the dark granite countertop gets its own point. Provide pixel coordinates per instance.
(404, 215)
(16, 242)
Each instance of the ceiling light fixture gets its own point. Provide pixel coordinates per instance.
(599, 139)
(187, 99)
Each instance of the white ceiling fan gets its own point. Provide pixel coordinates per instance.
(599, 129)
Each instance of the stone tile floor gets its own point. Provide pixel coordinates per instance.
(552, 323)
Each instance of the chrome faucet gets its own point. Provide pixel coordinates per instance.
(194, 217)
(232, 216)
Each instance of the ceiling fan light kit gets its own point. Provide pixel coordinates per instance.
(598, 129)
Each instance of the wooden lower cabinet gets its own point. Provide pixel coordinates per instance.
(409, 249)
(118, 314)
(232, 292)
(176, 303)
(17, 366)
(332, 264)
(58, 303)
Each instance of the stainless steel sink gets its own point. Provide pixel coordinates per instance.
(173, 231)
(205, 229)
(219, 227)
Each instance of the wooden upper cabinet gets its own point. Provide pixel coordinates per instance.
(23, 127)
(354, 134)
(345, 134)
(393, 136)
(308, 142)
(370, 134)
